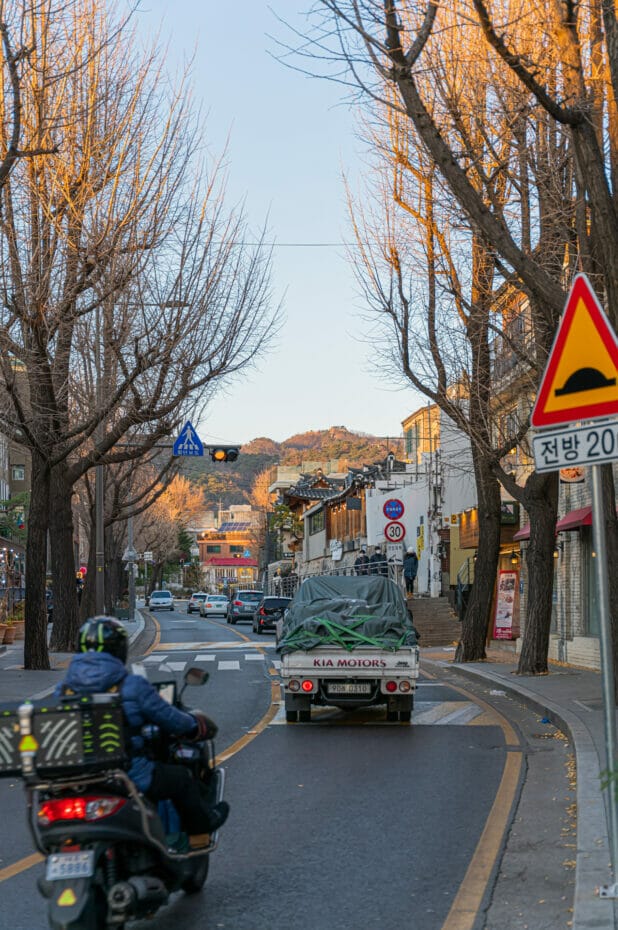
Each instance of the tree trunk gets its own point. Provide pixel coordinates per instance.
(541, 502)
(87, 606)
(66, 615)
(471, 647)
(36, 655)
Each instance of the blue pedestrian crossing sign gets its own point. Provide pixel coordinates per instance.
(188, 443)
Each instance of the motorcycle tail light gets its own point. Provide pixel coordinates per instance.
(79, 808)
(391, 686)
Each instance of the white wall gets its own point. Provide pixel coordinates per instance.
(415, 499)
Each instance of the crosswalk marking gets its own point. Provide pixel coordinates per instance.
(152, 659)
(252, 657)
(205, 657)
(424, 714)
(176, 666)
(229, 666)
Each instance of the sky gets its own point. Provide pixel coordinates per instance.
(290, 140)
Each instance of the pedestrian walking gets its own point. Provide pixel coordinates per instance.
(361, 565)
(410, 569)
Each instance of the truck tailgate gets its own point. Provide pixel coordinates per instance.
(326, 662)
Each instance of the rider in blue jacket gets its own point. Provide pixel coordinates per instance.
(99, 666)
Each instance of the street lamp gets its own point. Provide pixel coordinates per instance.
(130, 557)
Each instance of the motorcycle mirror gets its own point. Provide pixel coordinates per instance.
(196, 676)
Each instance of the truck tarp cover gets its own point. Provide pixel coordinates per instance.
(347, 611)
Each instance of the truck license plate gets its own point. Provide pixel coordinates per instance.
(349, 687)
(70, 865)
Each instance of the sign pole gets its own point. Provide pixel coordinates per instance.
(607, 665)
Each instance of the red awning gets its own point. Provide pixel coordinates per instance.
(523, 533)
(575, 519)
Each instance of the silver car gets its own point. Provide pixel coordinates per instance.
(214, 605)
(161, 600)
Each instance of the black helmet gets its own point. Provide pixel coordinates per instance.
(104, 634)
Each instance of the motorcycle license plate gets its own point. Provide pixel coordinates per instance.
(70, 865)
(349, 687)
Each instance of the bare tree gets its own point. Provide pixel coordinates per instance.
(128, 290)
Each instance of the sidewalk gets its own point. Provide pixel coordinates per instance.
(571, 698)
(18, 683)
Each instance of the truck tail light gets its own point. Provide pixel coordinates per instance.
(391, 686)
(262, 612)
(307, 685)
(404, 686)
(293, 685)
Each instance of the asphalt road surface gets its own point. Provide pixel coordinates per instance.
(349, 821)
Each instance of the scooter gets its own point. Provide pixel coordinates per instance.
(111, 855)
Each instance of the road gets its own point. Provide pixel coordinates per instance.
(350, 821)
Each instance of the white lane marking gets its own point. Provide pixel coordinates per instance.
(176, 666)
(252, 657)
(153, 659)
(209, 657)
(229, 666)
(276, 663)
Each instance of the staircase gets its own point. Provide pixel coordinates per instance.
(435, 620)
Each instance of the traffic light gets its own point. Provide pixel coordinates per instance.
(223, 453)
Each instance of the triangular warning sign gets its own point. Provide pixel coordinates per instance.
(581, 377)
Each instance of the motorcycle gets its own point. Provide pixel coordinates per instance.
(111, 854)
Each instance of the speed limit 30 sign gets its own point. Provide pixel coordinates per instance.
(394, 531)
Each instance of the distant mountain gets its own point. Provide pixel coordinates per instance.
(231, 483)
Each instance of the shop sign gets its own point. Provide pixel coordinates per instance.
(505, 605)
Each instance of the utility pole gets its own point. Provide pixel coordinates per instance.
(99, 486)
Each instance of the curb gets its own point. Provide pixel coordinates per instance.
(592, 857)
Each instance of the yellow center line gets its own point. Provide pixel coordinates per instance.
(468, 900)
(20, 866)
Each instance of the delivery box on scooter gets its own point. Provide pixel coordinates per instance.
(75, 735)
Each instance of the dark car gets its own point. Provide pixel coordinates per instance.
(49, 600)
(242, 606)
(268, 611)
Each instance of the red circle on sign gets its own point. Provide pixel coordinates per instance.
(394, 531)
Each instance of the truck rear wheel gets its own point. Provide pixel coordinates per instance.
(304, 716)
(392, 716)
(291, 716)
(405, 716)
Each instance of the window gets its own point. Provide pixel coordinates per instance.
(213, 549)
(18, 472)
(237, 548)
(316, 522)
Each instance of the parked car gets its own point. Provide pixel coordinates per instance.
(161, 600)
(268, 612)
(243, 604)
(49, 600)
(195, 601)
(214, 605)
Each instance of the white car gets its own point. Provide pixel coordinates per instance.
(214, 605)
(161, 600)
(195, 601)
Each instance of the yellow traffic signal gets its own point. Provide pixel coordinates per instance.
(224, 453)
